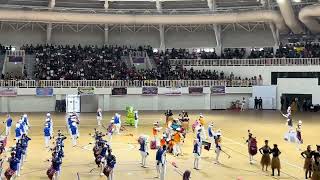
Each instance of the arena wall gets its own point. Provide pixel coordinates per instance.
(27, 101)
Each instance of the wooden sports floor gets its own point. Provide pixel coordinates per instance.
(79, 161)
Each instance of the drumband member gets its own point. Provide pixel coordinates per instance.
(307, 155)
(54, 171)
(110, 165)
(265, 152)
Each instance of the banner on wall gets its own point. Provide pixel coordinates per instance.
(85, 90)
(119, 91)
(218, 90)
(44, 92)
(172, 91)
(150, 90)
(195, 90)
(8, 92)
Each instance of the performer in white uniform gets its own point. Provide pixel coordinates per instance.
(136, 119)
(144, 149)
(99, 116)
(243, 103)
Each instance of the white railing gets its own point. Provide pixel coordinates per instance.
(125, 83)
(248, 62)
(15, 53)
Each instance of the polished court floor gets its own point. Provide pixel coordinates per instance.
(79, 162)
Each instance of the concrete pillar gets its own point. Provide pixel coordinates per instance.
(106, 4)
(162, 38)
(106, 34)
(159, 6)
(49, 33)
(52, 4)
(276, 38)
(217, 32)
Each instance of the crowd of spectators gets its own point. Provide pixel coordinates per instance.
(297, 50)
(106, 63)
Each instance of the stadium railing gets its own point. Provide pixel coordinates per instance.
(248, 62)
(125, 83)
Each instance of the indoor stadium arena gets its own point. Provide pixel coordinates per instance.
(159, 89)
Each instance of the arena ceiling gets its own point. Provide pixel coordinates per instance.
(146, 5)
(138, 4)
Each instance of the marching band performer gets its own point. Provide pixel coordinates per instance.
(18, 132)
(110, 130)
(144, 149)
(117, 123)
(136, 119)
(8, 124)
(99, 116)
(74, 133)
(211, 133)
(196, 153)
(50, 123)
(111, 162)
(26, 123)
(161, 162)
(218, 146)
(47, 135)
(265, 152)
(307, 155)
(13, 166)
(299, 139)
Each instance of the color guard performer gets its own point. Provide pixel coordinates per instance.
(99, 116)
(307, 155)
(196, 153)
(265, 152)
(275, 162)
(252, 147)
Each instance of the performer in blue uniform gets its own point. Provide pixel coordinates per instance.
(24, 144)
(161, 162)
(13, 166)
(8, 124)
(111, 162)
(47, 135)
(74, 133)
(18, 132)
